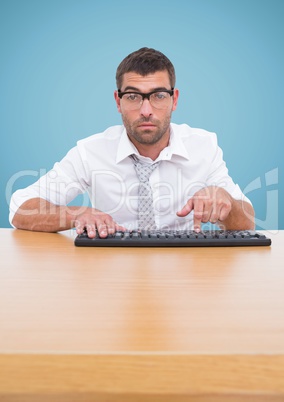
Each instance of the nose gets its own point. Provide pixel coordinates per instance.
(146, 108)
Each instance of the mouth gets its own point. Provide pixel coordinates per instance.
(147, 125)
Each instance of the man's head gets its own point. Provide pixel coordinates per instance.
(143, 62)
(146, 98)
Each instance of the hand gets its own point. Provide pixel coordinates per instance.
(94, 220)
(210, 204)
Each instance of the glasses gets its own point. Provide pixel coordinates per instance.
(158, 99)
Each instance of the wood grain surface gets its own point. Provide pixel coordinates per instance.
(130, 324)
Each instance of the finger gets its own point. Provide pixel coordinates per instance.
(82, 226)
(109, 225)
(102, 229)
(91, 230)
(198, 215)
(224, 212)
(119, 228)
(186, 209)
(214, 214)
(220, 211)
(207, 211)
(79, 226)
(99, 224)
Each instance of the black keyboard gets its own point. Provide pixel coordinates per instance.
(187, 238)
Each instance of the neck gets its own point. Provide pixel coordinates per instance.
(152, 150)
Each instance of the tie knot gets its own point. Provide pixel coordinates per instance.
(144, 170)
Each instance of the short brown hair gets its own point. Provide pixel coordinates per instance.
(145, 61)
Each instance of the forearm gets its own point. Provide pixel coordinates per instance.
(40, 215)
(241, 217)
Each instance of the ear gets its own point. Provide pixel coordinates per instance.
(175, 96)
(117, 101)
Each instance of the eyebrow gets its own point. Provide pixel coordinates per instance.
(130, 88)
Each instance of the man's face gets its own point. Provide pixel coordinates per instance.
(146, 125)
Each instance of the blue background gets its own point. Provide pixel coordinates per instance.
(58, 63)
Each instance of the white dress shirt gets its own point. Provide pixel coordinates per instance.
(100, 165)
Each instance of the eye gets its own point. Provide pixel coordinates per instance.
(159, 95)
(133, 97)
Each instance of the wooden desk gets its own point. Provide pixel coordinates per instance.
(106, 324)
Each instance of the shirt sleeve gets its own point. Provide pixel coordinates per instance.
(66, 180)
(219, 175)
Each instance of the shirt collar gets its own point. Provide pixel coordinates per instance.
(125, 147)
(175, 147)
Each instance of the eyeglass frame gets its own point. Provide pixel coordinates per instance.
(145, 95)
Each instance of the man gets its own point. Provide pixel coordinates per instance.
(187, 183)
